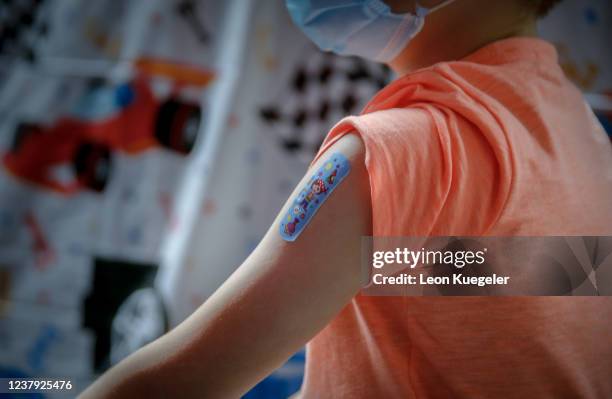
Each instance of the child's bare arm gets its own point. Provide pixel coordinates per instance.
(277, 300)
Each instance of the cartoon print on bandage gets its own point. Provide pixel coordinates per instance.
(312, 196)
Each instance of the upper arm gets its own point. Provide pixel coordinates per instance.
(279, 298)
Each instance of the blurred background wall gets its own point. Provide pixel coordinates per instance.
(145, 148)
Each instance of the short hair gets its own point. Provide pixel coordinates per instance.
(541, 7)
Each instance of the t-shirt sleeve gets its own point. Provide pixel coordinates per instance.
(431, 171)
(405, 162)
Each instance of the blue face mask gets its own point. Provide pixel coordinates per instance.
(366, 28)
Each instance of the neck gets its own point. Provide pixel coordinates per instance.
(447, 44)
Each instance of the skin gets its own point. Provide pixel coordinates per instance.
(278, 299)
(460, 28)
(286, 292)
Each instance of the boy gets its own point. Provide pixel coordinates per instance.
(481, 135)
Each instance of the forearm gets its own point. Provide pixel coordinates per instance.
(268, 320)
(135, 377)
(171, 368)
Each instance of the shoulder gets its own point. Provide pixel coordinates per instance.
(389, 129)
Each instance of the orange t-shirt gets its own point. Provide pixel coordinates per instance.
(499, 143)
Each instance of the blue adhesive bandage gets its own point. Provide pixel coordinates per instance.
(311, 197)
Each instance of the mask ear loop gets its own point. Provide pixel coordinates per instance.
(422, 11)
(407, 23)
